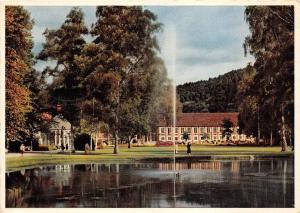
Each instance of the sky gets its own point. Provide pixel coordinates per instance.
(207, 43)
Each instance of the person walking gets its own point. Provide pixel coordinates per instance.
(189, 150)
(22, 149)
(176, 148)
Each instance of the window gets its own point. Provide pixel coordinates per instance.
(201, 137)
(169, 138)
(195, 138)
(182, 130)
(214, 129)
(169, 131)
(215, 137)
(162, 130)
(195, 130)
(176, 130)
(201, 129)
(208, 129)
(176, 138)
(189, 130)
(162, 138)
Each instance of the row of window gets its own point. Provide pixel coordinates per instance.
(189, 130)
(204, 137)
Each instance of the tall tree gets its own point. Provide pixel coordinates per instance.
(64, 45)
(272, 44)
(124, 42)
(18, 64)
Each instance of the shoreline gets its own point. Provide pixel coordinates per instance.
(15, 162)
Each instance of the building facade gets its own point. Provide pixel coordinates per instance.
(59, 133)
(201, 128)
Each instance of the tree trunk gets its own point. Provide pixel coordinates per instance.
(283, 130)
(116, 149)
(271, 138)
(258, 126)
(72, 146)
(129, 143)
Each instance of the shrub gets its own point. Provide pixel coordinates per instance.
(33, 142)
(81, 140)
(14, 146)
(43, 148)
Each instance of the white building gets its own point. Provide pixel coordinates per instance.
(201, 127)
(59, 133)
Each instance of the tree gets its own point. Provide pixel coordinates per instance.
(18, 63)
(227, 128)
(185, 136)
(248, 103)
(114, 63)
(214, 95)
(64, 45)
(272, 44)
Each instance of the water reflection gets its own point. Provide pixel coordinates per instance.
(199, 184)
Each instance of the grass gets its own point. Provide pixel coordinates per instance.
(138, 153)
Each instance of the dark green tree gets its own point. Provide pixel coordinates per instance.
(271, 42)
(227, 126)
(114, 64)
(185, 136)
(64, 45)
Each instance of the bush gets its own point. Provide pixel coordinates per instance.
(14, 146)
(35, 144)
(81, 140)
(43, 148)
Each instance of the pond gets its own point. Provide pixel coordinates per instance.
(210, 183)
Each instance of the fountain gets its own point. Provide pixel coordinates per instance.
(170, 48)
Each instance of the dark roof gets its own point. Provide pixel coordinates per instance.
(203, 119)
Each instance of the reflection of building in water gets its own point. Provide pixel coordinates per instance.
(63, 175)
(235, 170)
(213, 165)
(117, 185)
(235, 166)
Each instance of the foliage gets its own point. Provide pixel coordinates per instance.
(227, 128)
(82, 139)
(64, 45)
(18, 62)
(116, 67)
(185, 136)
(14, 146)
(272, 43)
(214, 95)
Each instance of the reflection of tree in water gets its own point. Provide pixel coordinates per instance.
(14, 197)
(119, 185)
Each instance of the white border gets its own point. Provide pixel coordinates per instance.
(296, 4)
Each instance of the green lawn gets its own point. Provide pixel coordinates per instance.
(138, 153)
